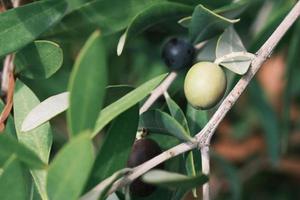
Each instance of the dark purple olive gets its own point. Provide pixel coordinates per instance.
(178, 53)
(142, 150)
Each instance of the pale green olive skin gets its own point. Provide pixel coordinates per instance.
(204, 85)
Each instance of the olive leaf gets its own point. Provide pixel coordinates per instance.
(22, 25)
(206, 24)
(173, 180)
(89, 74)
(100, 192)
(40, 59)
(160, 122)
(152, 15)
(45, 111)
(231, 53)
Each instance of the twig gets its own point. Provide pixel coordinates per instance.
(8, 82)
(205, 170)
(157, 92)
(9, 101)
(263, 53)
(205, 135)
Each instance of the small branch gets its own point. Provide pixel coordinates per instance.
(205, 135)
(205, 170)
(263, 53)
(157, 92)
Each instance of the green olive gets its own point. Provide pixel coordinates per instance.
(204, 85)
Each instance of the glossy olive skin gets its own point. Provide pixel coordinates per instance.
(142, 150)
(204, 85)
(178, 53)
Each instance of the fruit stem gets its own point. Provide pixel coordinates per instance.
(157, 92)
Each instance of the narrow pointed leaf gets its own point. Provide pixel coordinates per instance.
(150, 16)
(101, 14)
(45, 111)
(70, 169)
(228, 43)
(160, 122)
(87, 85)
(177, 113)
(121, 136)
(54, 105)
(190, 168)
(229, 11)
(38, 140)
(113, 110)
(24, 24)
(173, 180)
(197, 119)
(100, 192)
(206, 24)
(40, 59)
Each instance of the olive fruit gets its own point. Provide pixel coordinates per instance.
(142, 150)
(204, 85)
(178, 53)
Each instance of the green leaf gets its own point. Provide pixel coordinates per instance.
(173, 180)
(197, 119)
(38, 140)
(13, 182)
(87, 85)
(229, 11)
(157, 121)
(20, 26)
(45, 111)
(150, 16)
(233, 9)
(100, 193)
(208, 51)
(121, 137)
(177, 113)
(127, 101)
(101, 14)
(206, 24)
(228, 44)
(70, 169)
(56, 104)
(9, 146)
(39, 60)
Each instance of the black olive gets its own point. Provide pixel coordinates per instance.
(178, 53)
(142, 151)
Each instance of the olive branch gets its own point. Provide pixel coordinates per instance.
(203, 138)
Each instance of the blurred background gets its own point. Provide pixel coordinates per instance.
(256, 150)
